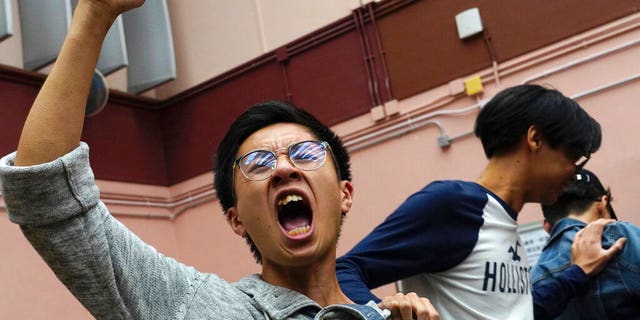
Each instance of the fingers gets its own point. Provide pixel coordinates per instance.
(617, 246)
(587, 251)
(593, 230)
(394, 304)
(600, 223)
(427, 311)
(409, 306)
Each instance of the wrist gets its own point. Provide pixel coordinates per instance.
(588, 271)
(91, 21)
(579, 270)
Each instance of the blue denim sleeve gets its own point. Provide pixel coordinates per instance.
(551, 295)
(627, 260)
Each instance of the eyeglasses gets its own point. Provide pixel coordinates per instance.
(588, 179)
(581, 162)
(307, 155)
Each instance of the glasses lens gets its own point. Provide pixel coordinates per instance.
(257, 165)
(308, 155)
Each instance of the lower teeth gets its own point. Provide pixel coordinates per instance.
(298, 230)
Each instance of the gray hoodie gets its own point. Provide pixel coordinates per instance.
(115, 275)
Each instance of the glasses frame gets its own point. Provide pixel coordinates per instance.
(325, 145)
(581, 164)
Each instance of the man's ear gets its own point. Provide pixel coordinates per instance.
(234, 221)
(603, 212)
(534, 138)
(546, 226)
(346, 190)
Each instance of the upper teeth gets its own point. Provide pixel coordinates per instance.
(289, 198)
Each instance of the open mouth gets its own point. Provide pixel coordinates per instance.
(294, 214)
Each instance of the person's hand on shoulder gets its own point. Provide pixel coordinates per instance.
(409, 306)
(587, 251)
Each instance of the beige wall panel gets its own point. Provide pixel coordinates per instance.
(210, 37)
(286, 20)
(11, 48)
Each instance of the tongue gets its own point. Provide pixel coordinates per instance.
(296, 222)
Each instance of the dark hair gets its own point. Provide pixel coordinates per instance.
(255, 118)
(577, 197)
(505, 119)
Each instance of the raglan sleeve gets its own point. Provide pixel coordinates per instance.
(552, 294)
(554, 279)
(433, 230)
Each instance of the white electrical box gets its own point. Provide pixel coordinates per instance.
(468, 23)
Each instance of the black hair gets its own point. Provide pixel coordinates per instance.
(255, 118)
(506, 118)
(577, 197)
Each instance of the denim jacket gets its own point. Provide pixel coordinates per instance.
(612, 294)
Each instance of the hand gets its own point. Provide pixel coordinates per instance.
(587, 251)
(409, 307)
(115, 7)
(118, 6)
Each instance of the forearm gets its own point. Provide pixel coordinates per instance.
(352, 282)
(551, 296)
(54, 124)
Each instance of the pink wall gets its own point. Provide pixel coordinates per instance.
(29, 289)
(207, 241)
(11, 48)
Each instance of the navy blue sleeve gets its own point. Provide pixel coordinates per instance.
(552, 295)
(433, 230)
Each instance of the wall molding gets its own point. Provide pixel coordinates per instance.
(168, 203)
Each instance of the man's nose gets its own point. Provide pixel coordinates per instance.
(285, 170)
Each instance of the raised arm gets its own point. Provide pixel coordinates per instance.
(54, 124)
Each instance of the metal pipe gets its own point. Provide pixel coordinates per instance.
(605, 87)
(409, 122)
(582, 60)
(364, 57)
(370, 58)
(460, 136)
(383, 62)
(574, 97)
(397, 133)
(283, 67)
